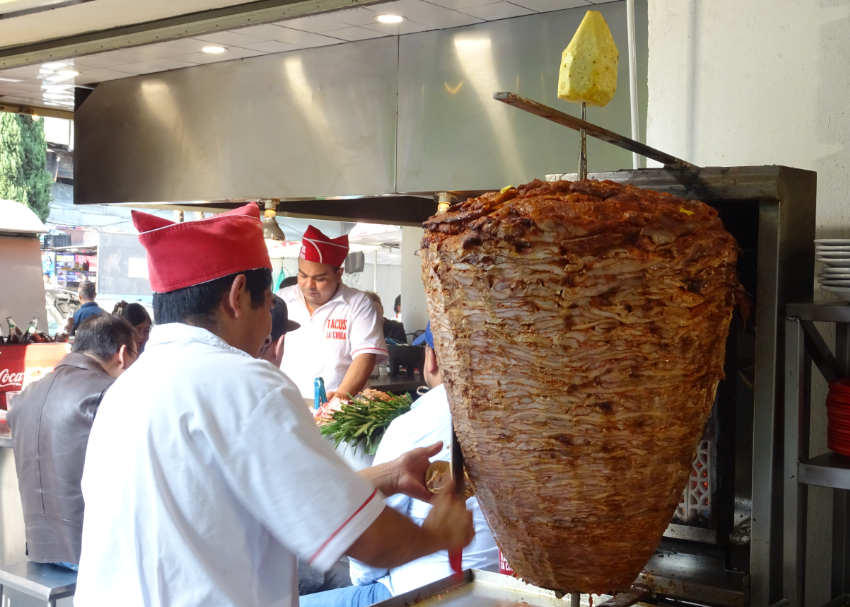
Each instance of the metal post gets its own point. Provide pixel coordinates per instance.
(841, 497)
(796, 448)
(633, 82)
(582, 159)
(575, 597)
(444, 201)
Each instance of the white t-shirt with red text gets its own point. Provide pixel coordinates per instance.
(331, 338)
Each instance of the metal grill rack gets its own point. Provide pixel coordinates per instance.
(804, 344)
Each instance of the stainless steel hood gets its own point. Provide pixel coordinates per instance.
(392, 119)
(291, 125)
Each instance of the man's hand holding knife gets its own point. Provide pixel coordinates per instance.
(448, 526)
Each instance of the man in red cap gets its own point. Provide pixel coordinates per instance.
(341, 336)
(205, 474)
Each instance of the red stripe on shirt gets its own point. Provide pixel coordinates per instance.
(373, 349)
(335, 533)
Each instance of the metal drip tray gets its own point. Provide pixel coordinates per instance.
(477, 588)
(666, 574)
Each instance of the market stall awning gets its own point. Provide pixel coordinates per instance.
(15, 218)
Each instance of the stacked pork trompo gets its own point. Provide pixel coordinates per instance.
(581, 329)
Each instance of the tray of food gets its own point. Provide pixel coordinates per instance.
(476, 588)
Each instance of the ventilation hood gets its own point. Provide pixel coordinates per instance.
(363, 131)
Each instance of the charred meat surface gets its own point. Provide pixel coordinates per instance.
(580, 328)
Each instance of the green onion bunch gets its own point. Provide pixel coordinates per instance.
(364, 420)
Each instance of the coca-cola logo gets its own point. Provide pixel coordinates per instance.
(22, 380)
(7, 378)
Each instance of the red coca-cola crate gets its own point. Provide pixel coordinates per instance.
(22, 365)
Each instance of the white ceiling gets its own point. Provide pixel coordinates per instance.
(93, 16)
(44, 86)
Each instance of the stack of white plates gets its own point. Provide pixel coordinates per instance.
(835, 274)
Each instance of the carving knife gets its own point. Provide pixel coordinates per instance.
(456, 556)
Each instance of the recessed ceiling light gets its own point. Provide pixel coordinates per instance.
(214, 50)
(390, 18)
(10, 80)
(68, 73)
(54, 66)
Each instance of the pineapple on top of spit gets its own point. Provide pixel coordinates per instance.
(589, 63)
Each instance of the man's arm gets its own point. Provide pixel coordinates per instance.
(397, 472)
(405, 474)
(356, 376)
(393, 539)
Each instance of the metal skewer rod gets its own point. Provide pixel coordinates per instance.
(582, 160)
(575, 597)
(633, 86)
(558, 117)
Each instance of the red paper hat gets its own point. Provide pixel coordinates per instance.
(184, 254)
(317, 247)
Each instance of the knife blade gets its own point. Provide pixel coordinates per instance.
(456, 556)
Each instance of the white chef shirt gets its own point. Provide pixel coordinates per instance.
(328, 341)
(204, 476)
(429, 421)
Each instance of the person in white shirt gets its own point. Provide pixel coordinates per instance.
(205, 474)
(341, 336)
(429, 420)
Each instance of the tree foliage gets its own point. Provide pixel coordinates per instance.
(23, 158)
(11, 165)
